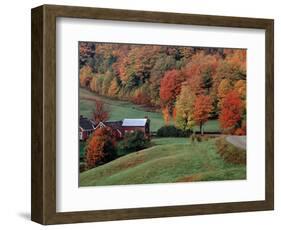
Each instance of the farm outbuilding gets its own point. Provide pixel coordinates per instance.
(131, 125)
(86, 128)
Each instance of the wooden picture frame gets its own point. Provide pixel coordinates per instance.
(43, 208)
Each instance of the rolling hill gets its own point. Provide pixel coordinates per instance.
(168, 160)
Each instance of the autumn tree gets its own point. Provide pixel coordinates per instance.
(170, 88)
(86, 53)
(163, 63)
(240, 87)
(141, 96)
(231, 112)
(233, 67)
(100, 148)
(166, 115)
(108, 77)
(223, 89)
(199, 72)
(113, 88)
(207, 80)
(184, 109)
(153, 75)
(100, 112)
(202, 109)
(85, 76)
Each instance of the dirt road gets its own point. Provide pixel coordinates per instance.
(238, 141)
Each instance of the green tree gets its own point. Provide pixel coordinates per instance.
(134, 141)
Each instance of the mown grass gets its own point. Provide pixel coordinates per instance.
(168, 160)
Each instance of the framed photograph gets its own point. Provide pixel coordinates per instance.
(140, 114)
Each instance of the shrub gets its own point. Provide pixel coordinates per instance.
(82, 167)
(230, 153)
(172, 131)
(134, 141)
(193, 137)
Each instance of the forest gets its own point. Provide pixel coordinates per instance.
(189, 85)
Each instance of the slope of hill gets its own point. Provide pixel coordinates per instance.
(121, 109)
(118, 109)
(169, 160)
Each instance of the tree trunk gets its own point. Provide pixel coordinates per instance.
(201, 128)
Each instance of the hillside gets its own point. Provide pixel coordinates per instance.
(168, 160)
(125, 109)
(118, 109)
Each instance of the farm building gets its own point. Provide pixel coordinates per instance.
(131, 125)
(115, 126)
(86, 127)
(120, 128)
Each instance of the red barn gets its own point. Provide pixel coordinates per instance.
(120, 128)
(86, 127)
(131, 125)
(115, 126)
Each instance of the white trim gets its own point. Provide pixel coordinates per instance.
(101, 124)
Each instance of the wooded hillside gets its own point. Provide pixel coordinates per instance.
(189, 85)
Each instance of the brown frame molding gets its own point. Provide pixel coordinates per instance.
(43, 188)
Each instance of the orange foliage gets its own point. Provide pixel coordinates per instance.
(166, 115)
(100, 148)
(141, 97)
(113, 88)
(85, 76)
(238, 59)
(195, 69)
(202, 109)
(175, 114)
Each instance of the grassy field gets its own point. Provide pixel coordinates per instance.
(124, 109)
(168, 160)
(119, 109)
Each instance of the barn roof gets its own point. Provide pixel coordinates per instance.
(85, 123)
(113, 124)
(134, 122)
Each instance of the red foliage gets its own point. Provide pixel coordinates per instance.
(100, 113)
(231, 110)
(170, 87)
(240, 132)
